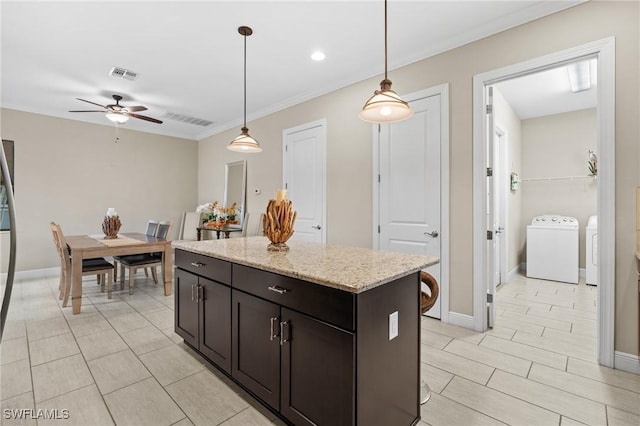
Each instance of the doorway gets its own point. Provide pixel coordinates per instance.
(411, 183)
(604, 52)
(304, 177)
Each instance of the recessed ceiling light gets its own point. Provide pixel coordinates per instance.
(318, 56)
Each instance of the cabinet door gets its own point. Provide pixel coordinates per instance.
(215, 323)
(186, 306)
(318, 374)
(256, 351)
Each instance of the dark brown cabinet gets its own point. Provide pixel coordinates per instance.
(313, 354)
(203, 316)
(301, 367)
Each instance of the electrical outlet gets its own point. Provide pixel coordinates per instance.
(393, 325)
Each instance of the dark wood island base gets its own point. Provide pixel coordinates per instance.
(312, 354)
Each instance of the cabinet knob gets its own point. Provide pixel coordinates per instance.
(277, 289)
(197, 264)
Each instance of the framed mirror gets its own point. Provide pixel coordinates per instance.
(235, 188)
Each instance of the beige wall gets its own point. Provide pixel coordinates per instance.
(509, 122)
(349, 147)
(70, 172)
(556, 146)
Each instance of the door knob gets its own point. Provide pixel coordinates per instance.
(432, 234)
(317, 227)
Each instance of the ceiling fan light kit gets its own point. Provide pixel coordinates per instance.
(385, 106)
(117, 117)
(244, 142)
(119, 114)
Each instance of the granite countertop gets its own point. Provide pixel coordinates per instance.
(352, 269)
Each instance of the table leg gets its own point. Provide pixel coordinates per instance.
(226, 234)
(217, 234)
(167, 270)
(76, 281)
(199, 234)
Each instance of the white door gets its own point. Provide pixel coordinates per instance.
(304, 178)
(493, 261)
(409, 189)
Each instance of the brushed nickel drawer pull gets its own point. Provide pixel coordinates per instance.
(197, 264)
(192, 290)
(277, 289)
(283, 339)
(272, 330)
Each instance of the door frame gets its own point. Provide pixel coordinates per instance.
(322, 123)
(604, 51)
(443, 91)
(503, 193)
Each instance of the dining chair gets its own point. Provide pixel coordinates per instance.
(152, 228)
(145, 260)
(99, 267)
(252, 225)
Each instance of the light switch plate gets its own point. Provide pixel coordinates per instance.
(393, 325)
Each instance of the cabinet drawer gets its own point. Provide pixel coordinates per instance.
(325, 303)
(208, 267)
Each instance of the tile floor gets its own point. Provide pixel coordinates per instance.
(120, 362)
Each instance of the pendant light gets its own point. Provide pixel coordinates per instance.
(385, 106)
(244, 142)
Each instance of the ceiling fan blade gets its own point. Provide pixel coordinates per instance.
(136, 108)
(144, 117)
(89, 110)
(89, 102)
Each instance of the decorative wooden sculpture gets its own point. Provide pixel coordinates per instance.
(278, 222)
(111, 226)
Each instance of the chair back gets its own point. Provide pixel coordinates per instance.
(164, 228)
(61, 246)
(245, 224)
(152, 227)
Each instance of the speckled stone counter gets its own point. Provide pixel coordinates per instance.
(351, 269)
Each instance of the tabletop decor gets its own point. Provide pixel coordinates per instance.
(111, 224)
(278, 222)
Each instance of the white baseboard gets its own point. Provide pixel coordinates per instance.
(626, 362)
(582, 272)
(37, 273)
(515, 271)
(461, 320)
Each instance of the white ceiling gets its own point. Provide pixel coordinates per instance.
(189, 54)
(548, 93)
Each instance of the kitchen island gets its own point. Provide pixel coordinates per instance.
(321, 334)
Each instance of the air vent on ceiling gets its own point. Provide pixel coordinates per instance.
(123, 73)
(188, 119)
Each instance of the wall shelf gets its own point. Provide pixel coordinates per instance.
(555, 178)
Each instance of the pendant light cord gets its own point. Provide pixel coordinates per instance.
(385, 39)
(245, 80)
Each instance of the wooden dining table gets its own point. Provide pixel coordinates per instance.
(95, 246)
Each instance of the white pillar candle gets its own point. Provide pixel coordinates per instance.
(111, 212)
(282, 195)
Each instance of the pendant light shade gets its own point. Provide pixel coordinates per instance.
(385, 106)
(244, 142)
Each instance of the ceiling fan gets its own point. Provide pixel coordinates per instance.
(119, 113)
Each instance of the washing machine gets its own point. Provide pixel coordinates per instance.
(591, 252)
(552, 248)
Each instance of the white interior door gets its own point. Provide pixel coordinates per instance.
(304, 174)
(493, 261)
(410, 185)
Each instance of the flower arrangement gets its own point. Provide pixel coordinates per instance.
(210, 212)
(230, 214)
(592, 163)
(216, 217)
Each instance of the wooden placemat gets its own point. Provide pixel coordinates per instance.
(115, 242)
